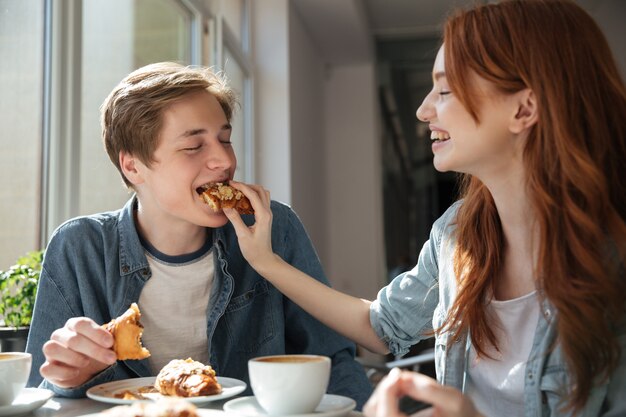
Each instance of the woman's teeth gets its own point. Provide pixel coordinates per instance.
(436, 135)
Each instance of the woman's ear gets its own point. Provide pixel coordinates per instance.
(527, 112)
(130, 166)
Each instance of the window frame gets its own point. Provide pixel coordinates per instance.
(61, 130)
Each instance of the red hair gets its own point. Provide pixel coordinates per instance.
(574, 159)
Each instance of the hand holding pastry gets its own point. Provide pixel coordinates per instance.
(255, 241)
(76, 352)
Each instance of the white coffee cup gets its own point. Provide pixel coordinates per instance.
(14, 371)
(289, 384)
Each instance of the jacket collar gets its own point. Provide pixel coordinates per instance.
(132, 257)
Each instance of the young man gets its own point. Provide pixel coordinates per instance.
(167, 129)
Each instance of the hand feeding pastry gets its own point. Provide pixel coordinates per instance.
(126, 331)
(187, 378)
(220, 195)
(165, 407)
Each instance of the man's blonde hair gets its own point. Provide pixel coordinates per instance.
(131, 116)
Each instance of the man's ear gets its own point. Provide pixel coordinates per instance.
(527, 113)
(131, 167)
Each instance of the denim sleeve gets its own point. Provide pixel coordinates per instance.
(403, 311)
(61, 295)
(50, 313)
(304, 333)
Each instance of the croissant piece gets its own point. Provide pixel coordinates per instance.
(220, 196)
(127, 331)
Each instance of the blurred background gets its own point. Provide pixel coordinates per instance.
(328, 92)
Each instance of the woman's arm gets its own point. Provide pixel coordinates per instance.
(345, 314)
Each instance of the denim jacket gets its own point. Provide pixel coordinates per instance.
(95, 266)
(417, 301)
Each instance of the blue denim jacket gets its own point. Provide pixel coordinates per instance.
(95, 266)
(417, 301)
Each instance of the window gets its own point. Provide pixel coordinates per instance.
(235, 61)
(21, 75)
(58, 61)
(145, 31)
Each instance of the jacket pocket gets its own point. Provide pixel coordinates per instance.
(554, 385)
(250, 320)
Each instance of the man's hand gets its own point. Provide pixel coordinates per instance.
(446, 401)
(77, 352)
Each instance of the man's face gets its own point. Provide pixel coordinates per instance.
(194, 149)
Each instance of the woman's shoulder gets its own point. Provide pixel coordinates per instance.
(447, 220)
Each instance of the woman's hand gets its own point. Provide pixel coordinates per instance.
(255, 241)
(446, 401)
(76, 352)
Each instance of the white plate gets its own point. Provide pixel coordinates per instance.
(106, 392)
(330, 406)
(202, 412)
(29, 399)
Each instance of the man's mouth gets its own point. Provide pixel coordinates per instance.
(208, 185)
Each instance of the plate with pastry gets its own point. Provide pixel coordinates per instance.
(181, 378)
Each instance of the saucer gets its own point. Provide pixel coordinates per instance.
(330, 406)
(28, 400)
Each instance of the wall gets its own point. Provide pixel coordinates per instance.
(308, 144)
(610, 15)
(270, 39)
(354, 189)
(317, 136)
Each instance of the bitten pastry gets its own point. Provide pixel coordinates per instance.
(127, 331)
(165, 407)
(220, 195)
(187, 378)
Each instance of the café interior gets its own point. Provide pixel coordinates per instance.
(328, 91)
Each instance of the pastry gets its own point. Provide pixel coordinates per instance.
(126, 331)
(187, 378)
(220, 195)
(165, 407)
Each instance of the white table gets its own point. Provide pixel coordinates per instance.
(67, 407)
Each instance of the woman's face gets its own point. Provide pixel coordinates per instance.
(461, 144)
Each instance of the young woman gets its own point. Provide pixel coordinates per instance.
(522, 281)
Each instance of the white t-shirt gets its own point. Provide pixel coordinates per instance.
(173, 306)
(497, 385)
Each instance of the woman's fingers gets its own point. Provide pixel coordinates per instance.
(255, 241)
(384, 400)
(241, 229)
(446, 401)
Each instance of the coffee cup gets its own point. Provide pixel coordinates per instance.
(14, 371)
(289, 384)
